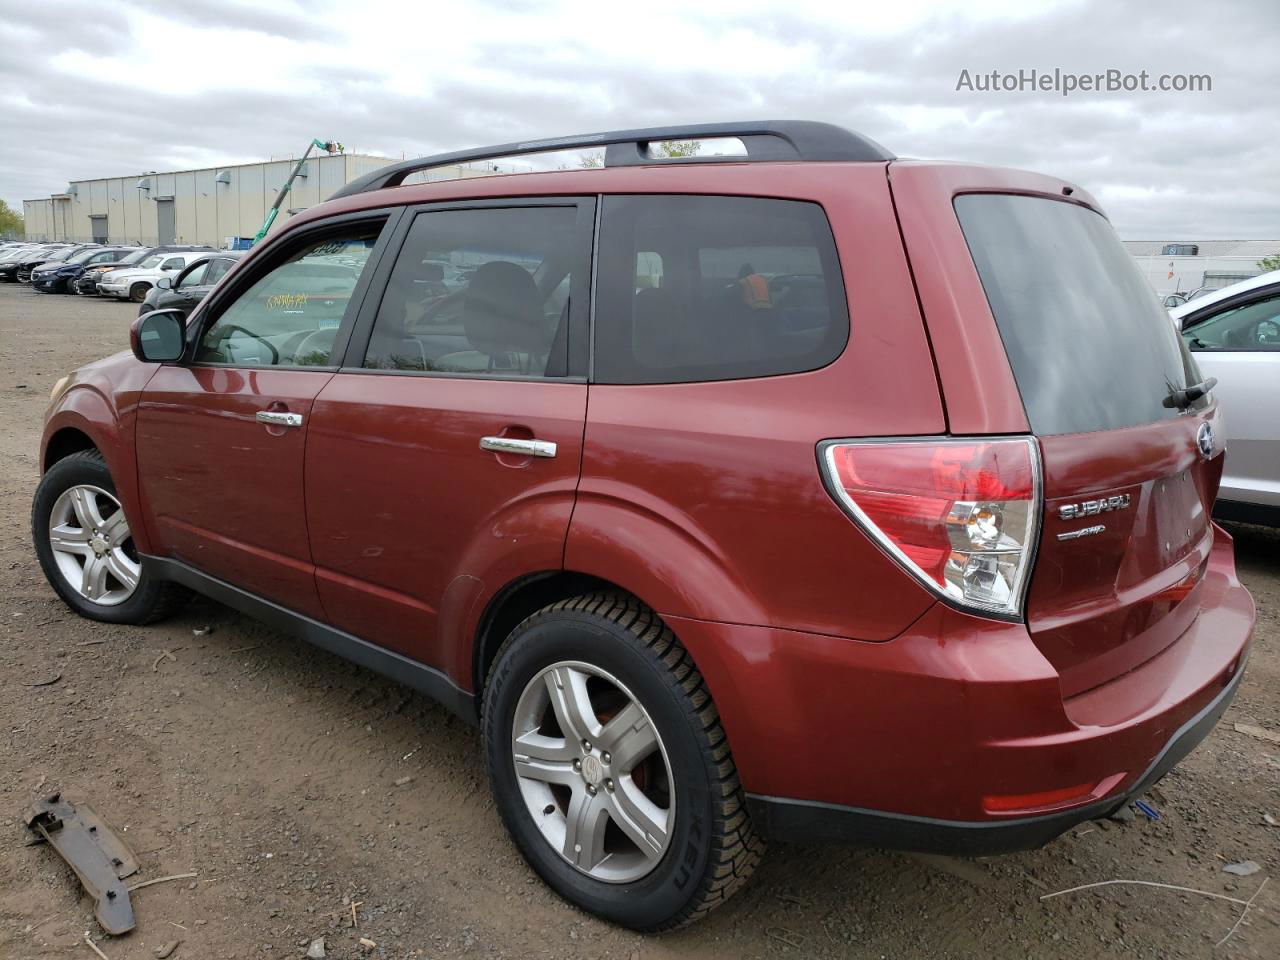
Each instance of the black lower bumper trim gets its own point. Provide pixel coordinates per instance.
(433, 683)
(807, 821)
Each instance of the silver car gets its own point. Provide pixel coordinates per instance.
(1235, 336)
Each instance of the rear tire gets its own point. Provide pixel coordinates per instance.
(74, 525)
(610, 655)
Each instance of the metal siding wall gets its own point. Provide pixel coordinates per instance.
(206, 208)
(228, 204)
(333, 174)
(97, 197)
(36, 219)
(163, 184)
(251, 210)
(186, 228)
(148, 229)
(116, 231)
(75, 212)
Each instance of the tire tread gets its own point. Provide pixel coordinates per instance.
(736, 848)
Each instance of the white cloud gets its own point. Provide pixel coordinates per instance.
(157, 84)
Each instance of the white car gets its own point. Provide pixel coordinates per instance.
(1234, 334)
(132, 283)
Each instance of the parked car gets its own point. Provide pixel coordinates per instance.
(911, 548)
(1234, 334)
(57, 277)
(133, 282)
(27, 258)
(60, 256)
(191, 286)
(87, 284)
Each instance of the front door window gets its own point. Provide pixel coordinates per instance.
(290, 316)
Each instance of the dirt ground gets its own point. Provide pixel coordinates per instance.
(270, 770)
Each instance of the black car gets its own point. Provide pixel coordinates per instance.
(28, 264)
(191, 286)
(58, 277)
(87, 283)
(11, 264)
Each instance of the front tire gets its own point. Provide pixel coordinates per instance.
(138, 292)
(85, 546)
(610, 767)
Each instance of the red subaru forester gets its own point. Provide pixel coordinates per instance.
(807, 493)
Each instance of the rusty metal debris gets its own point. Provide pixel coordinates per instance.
(100, 858)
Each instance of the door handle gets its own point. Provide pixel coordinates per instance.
(526, 448)
(279, 419)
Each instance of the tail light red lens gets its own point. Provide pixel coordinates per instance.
(960, 515)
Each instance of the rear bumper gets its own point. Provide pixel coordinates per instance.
(932, 740)
(801, 821)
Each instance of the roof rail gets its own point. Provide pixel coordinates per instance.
(765, 140)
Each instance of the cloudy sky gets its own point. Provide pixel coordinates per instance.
(91, 89)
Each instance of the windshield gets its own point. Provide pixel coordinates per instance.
(152, 261)
(135, 256)
(59, 255)
(83, 256)
(1090, 346)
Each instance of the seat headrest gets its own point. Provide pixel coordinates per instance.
(502, 311)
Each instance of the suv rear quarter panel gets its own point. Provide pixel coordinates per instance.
(705, 499)
(974, 372)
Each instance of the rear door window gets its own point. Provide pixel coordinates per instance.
(1089, 344)
(486, 291)
(713, 288)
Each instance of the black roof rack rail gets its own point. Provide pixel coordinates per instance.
(765, 140)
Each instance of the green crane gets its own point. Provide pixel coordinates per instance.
(328, 146)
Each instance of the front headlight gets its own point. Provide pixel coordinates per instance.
(59, 389)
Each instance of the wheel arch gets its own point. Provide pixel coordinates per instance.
(517, 600)
(62, 443)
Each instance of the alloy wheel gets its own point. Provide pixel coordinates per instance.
(92, 545)
(593, 772)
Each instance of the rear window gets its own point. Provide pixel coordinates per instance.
(714, 288)
(1090, 346)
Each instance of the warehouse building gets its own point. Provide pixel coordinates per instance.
(1184, 266)
(214, 206)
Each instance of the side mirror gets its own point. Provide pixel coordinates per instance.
(157, 337)
(164, 283)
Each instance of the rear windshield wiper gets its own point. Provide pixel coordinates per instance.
(1186, 397)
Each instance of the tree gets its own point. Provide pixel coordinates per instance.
(662, 151)
(678, 148)
(10, 221)
(1267, 264)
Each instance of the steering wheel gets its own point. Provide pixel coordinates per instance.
(234, 328)
(1267, 331)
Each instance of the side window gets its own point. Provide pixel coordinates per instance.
(1254, 326)
(290, 315)
(482, 291)
(216, 269)
(715, 288)
(192, 277)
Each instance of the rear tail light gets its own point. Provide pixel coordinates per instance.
(960, 515)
